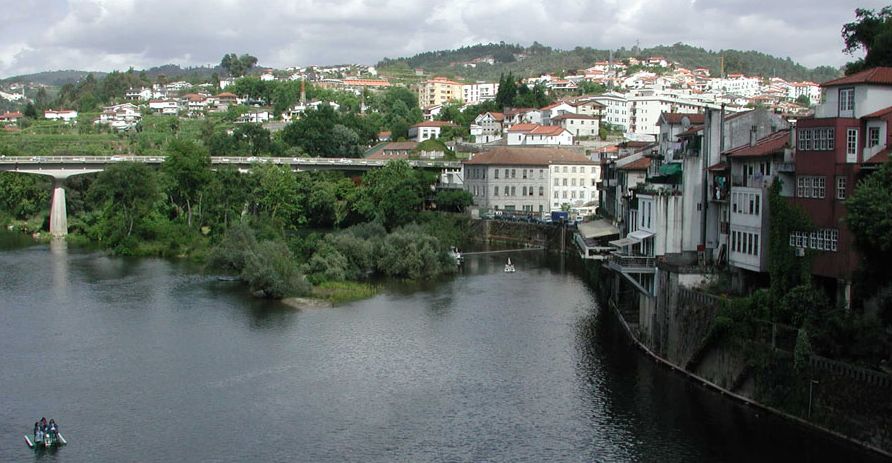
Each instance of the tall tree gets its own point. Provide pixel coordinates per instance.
(872, 32)
(188, 168)
(125, 192)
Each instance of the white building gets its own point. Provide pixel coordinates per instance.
(535, 134)
(488, 127)
(427, 130)
(579, 125)
(531, 180)
(616, 109)
(479, 92)
(737, 84)
(167, 107)
(121, 117)
(66, 115)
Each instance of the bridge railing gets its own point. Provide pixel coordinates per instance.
(223, 160)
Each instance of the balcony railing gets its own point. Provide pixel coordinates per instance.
(625, 262)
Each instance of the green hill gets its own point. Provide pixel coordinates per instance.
(537, 59)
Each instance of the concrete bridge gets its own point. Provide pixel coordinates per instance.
(62, 167)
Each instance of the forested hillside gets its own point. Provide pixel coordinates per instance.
(537, 59)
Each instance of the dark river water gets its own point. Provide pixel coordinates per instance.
(148, 360)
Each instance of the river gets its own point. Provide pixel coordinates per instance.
(149, 360)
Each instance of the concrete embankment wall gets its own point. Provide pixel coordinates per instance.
(522, 234)
(848, 401)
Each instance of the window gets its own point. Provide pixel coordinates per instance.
(815, 139)
(873, 136)
(846, 99)
(840, 187)
(497, 173)
(555, 194)
(524, 173)
(821, 240)
(523, 191)
(496, 191)
(541, 191)
(572, 182)
(573, 169)
(851, 145)
(810, 187)
(565, 182)
(513, 173)
(506, 173)
(506, 190)
(513, 191)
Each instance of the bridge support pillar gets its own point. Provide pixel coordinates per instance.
(58, 211)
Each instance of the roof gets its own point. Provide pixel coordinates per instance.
(573, 116)
(547, 130)
(227, 95)
(879, 76)
(400, 145)
(718, 167)
(640, 164)
(881, 157)
(596, 229)
(878, 114)
(522, 127)
(676, 118)
(765, 146)
(692, 131)
(434, 124)
(529, 156)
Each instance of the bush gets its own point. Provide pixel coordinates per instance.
(272, 273)
(410, 253)
(327, 264)
(230, 254)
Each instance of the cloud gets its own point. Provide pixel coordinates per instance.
(117, 34)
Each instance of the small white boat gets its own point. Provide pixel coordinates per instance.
(509, 267)
(46, 441)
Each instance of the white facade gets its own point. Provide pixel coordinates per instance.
(579, 125)
(575, 185)
(540, 135)
(479, 92)
(616, 109)
(738, 85)
(168, 107)
(66, 115)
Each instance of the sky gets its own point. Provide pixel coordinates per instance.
(104, 35)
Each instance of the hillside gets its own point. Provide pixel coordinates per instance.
(536, 59)
(54, 78)
(170, 71)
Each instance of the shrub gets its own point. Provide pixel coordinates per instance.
(272, 273)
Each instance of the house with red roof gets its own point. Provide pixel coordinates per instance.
(536, 134)
(427, 130)
(848, 137)
(10, 117)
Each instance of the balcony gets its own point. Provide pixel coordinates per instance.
(787, 167)
(626, 263)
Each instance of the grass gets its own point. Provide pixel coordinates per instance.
(338, 292)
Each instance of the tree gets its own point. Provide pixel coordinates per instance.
(277, 194)
(188, 167)
(255, 137)
(507, 91)
(869, 217)
(22, 195)
(237, 66)
(392, 195)
(803, 100)
(872, 32)
(320, 133)
(454, 200)
(125, 194)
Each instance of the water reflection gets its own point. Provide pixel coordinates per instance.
(59, 252)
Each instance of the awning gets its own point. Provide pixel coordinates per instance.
(597, 229)
(639, 235)
(622, 243)
(672, 168)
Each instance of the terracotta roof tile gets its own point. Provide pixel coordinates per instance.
(573, 116)
(434, 124)
(880, 158)
(529, 156)
(676, 118)
(640, 164)
(765, 146)
(880, 76)
(878, 114)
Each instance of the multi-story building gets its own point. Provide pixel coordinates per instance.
(533, 180)
(849, 133)
(66, 115)
(479, 92)
(488, 128)
(439, 91)
(579, 125)
(616, 109)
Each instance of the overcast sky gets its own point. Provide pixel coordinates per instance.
(103, 35)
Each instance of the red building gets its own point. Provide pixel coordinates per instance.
(849, 134)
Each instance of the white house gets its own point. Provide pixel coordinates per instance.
(66, 115)
(121, 117)
(489, 126)
(479, 92)
(616, 109)
(427, 130)
(556, 109)
(255, 117)
(535, 134)
(142, 94)
(167, 107)
(579, 125)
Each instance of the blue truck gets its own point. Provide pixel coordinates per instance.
(560, 216)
